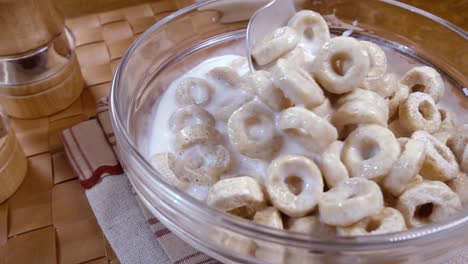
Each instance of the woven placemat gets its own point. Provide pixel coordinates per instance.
(49, 220)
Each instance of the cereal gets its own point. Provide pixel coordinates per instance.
(242, 194)
(333, 169)
(419, 112)
(378, 61)
(202, 163)
(405, 168)
(193, 90)
(164, 164)
(297, 85)
(460, 186)
(424, 79)
(196, 134)
(190, 115)
(428, 202)
(267, 251)
(449, 122)
(370, 151)
(311, 27)
(385, 86)
(294, 184)
(310, 130)
(350, 201)
(252, 131)
(225, 76)
(439, 163)
(261, 83)
(388, 220)
(400, 95)
(275, 44)
(341, 65)
(230, 105)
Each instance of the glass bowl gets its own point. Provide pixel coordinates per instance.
(211, 28)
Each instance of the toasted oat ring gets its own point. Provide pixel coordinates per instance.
(449, 120)
(164, 164)
(202, 163)
(377, 58)
(419, 112)
(297, 85)
(229, 105)
(324, 110)
(428, 202)
(190, 115)
(359, 107)
(439, 163)
(397, 130)
(230, 195)
(310, 130)
(400, 95)
(370, 151)
(332, 167)
(272, 253)
(405, 168)
(459, 141)
(341, 65)
(388, 220)
(460, 186)
(385, 86)
(350, 201)
(294, 184)
(425, 79)
(226, 76)
(261, 83)
(192, 90)
(252, 132)
(311, 27)
(196, 134)
(311, 225)
(274, 45)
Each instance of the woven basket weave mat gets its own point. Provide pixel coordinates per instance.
(48, 220)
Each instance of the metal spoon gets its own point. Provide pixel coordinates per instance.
(266, 19)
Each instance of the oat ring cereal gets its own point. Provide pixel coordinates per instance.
(311, 27)
(274, 45)
(192, 90)
(294, 184)
(378, 60)
(388, 220)
(261, 83)
(350, 201)
(190, 115)
(202, 163)
(428, 202)
(425, 79)
(419, 112)
(341, 65)
(370, 151)
(225, 76)
(252, 131)
(439, 163)
(164, 164)
(196, 134)
(242, 195)
(406, 167)
(297, 85)
(307, 128)
(332, 167)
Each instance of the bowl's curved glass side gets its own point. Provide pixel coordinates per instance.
(155, 61)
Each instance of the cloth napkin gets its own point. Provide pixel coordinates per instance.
(135, 235)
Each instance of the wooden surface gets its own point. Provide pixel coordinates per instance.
(48, 220)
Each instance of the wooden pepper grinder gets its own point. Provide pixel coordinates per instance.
(39, 73)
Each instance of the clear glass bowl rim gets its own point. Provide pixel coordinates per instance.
(201, 212)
